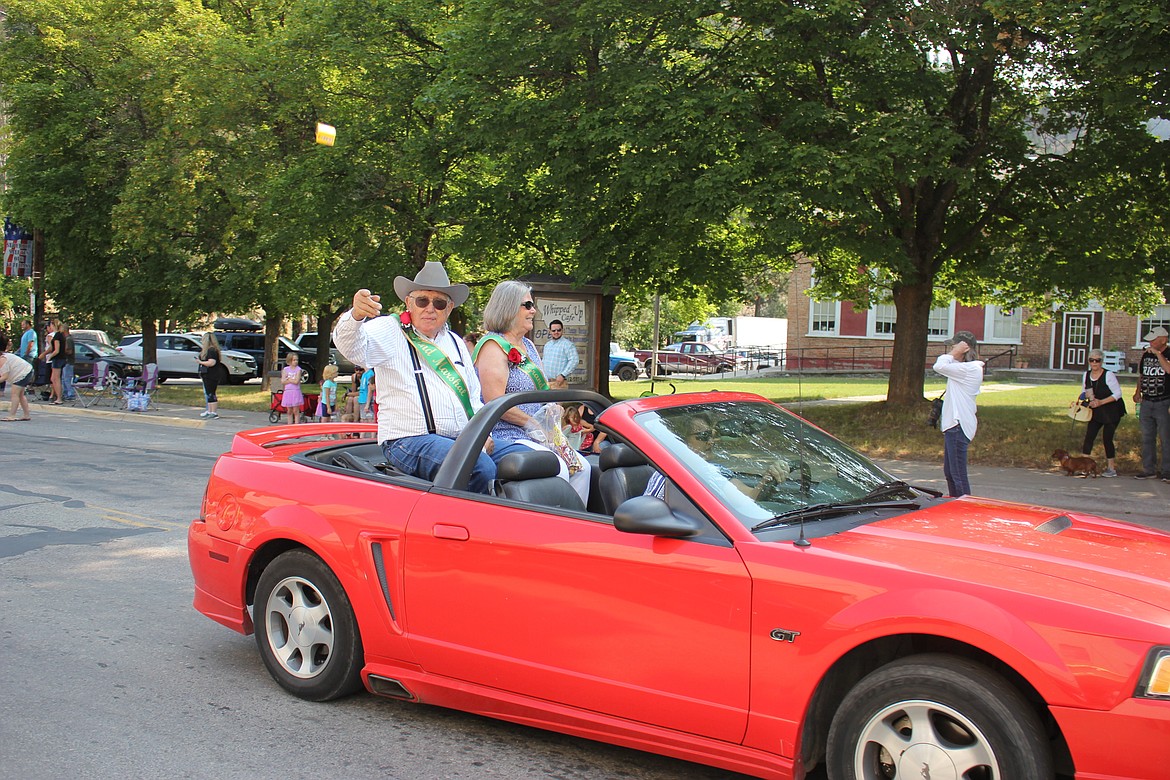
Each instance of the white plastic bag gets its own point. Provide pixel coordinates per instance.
(545, 428)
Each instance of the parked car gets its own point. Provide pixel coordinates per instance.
(96, 336)
(86, 354)
(177, 354)
(241, 335)
(694, 357)
(622, 363)
(307, 344)
(785, 603)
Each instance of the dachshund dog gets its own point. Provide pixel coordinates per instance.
(1076, 465)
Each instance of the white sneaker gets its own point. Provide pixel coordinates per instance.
(1109, 473)
(212, 416)
(204, 414)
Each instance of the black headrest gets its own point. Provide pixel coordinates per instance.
(529, 464)
(617, 455)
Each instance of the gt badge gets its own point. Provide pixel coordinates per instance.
(780, 635)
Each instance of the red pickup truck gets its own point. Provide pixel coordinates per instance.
(694, 357)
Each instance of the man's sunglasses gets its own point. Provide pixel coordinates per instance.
(423, 301)
(1094, 360)
(528, 305)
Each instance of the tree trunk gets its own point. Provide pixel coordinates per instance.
(149, 341)
(907, 367)
(271, 361)
(324, 342)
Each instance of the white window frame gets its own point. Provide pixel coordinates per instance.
(812, 317)
(992, 315)
(881, 315)
(1160, 316)
(948, 329)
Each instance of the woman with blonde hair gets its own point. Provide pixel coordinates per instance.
(210, 371)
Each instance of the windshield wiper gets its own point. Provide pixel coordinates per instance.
(816, 511)
(888, 489)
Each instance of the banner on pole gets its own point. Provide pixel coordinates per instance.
(18, 250)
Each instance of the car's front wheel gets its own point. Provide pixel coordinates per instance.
(940, 717)
(627, 373)
(306, 630)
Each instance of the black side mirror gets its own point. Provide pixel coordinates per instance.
(651, 516)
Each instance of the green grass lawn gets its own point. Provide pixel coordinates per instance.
(1018, 427)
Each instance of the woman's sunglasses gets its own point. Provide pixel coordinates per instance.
(528, 305)
(1094, 360)
(423, 301)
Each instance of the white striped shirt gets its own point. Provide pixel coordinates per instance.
(380, 344)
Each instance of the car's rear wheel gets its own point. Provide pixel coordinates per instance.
(306, 630)
(627, 373)
(936, 716)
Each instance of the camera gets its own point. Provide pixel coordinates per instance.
(935, 412)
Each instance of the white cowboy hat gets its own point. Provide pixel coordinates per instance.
(432, 277)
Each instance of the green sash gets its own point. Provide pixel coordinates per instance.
(439, 361)
(526, 365)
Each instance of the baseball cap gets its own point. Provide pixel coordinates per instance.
(1155, 333)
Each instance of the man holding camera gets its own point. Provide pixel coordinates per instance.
(964, 372)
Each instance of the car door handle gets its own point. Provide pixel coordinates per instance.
(456, 532)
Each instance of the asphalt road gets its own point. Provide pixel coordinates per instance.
(108, 672)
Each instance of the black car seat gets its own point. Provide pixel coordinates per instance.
(624, 474)
(531, 476)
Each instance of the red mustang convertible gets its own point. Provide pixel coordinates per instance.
(740, 590)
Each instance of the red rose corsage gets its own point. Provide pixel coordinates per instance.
(514, 357)
(404, 318)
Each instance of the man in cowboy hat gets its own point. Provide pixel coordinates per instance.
(426, 382)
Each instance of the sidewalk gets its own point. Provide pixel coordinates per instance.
(1123, 498)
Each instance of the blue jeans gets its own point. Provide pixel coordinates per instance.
(67, 382)
(955, 444)
(1154, 418)
(422, 456)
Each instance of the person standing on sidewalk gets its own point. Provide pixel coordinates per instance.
(1104, 393)
(964, 372)
(210, 371)
(28, 342)
(1153, 393)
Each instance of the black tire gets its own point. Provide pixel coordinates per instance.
(273, 416)
(650, 369)
(723, 368)
(948, 717)
(324, 660)
(627, 373)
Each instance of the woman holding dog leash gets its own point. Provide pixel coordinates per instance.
(1103, 392)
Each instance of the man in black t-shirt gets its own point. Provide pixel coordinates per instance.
(1153, 393)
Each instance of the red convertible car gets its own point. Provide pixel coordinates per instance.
(771, 603)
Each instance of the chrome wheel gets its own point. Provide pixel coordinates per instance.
(305, 628)
(300, 627)
(923, 739)
(940, 717)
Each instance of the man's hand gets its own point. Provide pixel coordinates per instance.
(558, 383)
(366, 305)
(960, 349)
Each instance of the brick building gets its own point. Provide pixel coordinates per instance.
(834, 334)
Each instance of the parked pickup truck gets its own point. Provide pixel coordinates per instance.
(693, 357)
(307, 344)
(622, 363)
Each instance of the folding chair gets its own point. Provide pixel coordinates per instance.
(98, 386)
(147, 385)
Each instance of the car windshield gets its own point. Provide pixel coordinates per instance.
(103, 349)
(766, 464)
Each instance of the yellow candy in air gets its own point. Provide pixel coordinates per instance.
(326, 134)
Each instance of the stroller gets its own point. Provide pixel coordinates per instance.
(308, 408)
(41, 385)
